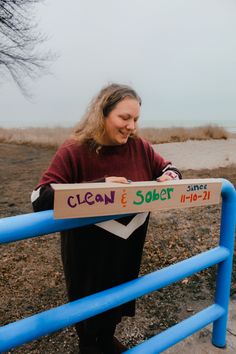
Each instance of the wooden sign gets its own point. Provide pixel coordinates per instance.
(96, 199)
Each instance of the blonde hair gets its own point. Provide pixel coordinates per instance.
(91, 126)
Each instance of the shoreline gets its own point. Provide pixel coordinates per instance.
(197, 155)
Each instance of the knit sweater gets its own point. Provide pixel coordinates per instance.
(94, 257)
(77, 163)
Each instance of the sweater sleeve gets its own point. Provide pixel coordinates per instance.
(42, 198)
(60, 170)
(63, 168)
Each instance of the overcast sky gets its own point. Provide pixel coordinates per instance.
(180, 55)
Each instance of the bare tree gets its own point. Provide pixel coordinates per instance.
(18, 39)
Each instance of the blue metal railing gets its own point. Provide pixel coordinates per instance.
(28, 329)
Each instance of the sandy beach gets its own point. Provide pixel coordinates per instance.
(199, 155)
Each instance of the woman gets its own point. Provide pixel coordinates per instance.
(105, 147)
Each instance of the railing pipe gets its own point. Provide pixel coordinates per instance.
(25, 330)
(20, 227)
(32, 225)
(180, 331)
(223, 280)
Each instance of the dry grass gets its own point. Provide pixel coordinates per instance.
(35, 136)
(55, 136)
(178, 134)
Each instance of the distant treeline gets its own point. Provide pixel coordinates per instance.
(52, 137)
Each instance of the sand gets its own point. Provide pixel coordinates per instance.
(199, 155)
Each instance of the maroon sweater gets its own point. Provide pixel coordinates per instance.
(93, 258)
(75, 163)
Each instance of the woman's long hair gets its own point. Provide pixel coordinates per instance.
(91, 126)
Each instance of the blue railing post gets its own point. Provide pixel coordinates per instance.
(27, 329)
(223, 279)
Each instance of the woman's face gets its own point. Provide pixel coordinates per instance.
(121, 122)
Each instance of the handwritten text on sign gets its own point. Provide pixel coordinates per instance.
(94, 199)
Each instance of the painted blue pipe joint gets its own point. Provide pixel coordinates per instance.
(32, 225)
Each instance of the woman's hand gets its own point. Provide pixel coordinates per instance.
(117, 179)
(164, 178)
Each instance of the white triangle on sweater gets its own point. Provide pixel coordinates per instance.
(123, 231)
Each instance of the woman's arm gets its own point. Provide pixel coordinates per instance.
(42, 198)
